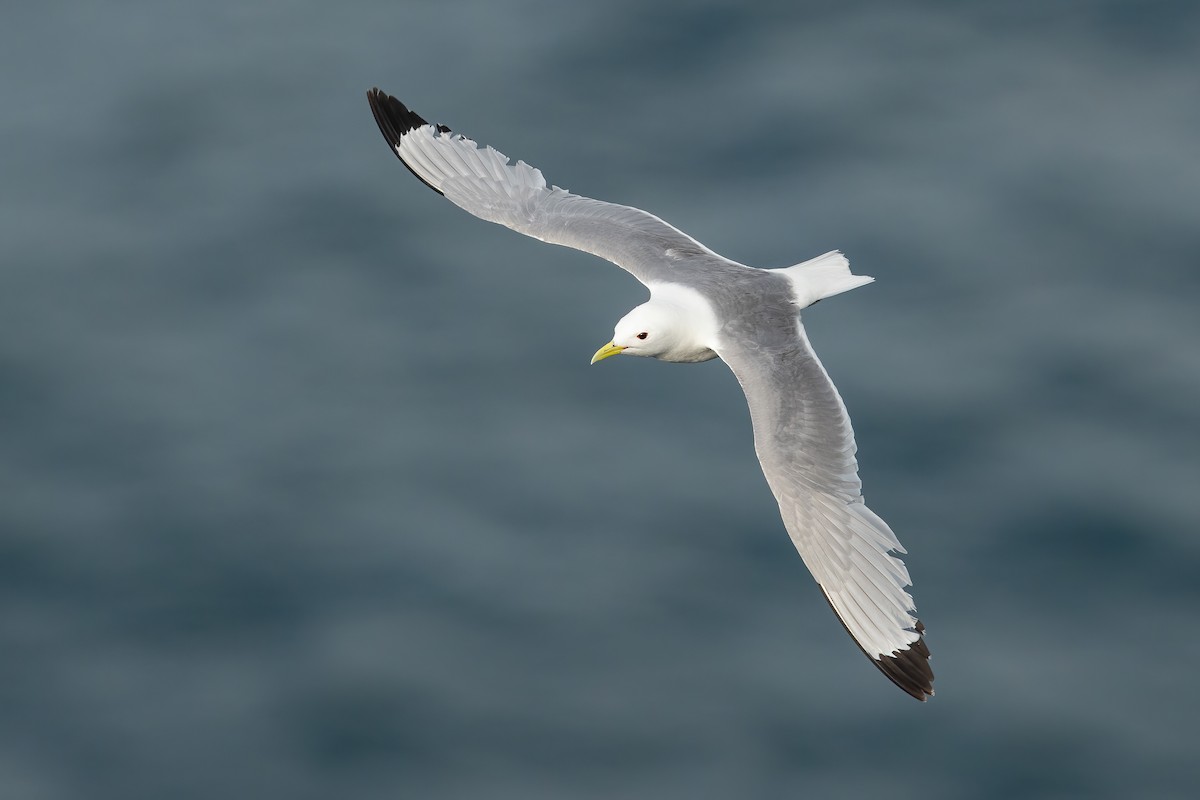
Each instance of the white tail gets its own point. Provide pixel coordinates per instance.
(821, 277)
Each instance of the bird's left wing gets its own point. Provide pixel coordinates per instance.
(804, 441)
(482, 181)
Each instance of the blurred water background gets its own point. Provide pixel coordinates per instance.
(308, 489)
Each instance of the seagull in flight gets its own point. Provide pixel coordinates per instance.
(704, 306)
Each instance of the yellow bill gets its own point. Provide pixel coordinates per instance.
(609, 349)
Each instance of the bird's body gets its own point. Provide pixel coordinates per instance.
(702, 306)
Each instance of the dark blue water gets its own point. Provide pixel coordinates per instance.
(308, 490)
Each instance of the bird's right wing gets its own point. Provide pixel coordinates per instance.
(804, 441)
(482, 181)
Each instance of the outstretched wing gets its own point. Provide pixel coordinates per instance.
(806, 446)
(482, 181)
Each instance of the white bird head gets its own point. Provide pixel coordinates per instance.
(658, 329)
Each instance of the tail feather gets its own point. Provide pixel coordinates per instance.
(821, 277)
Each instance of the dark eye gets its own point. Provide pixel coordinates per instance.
(643, 335)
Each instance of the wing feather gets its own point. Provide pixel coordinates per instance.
(481, 181)
(805, 443)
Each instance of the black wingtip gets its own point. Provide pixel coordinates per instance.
(394, 120)
(909, 669)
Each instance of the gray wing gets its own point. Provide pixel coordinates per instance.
(806, 446)
(482, 181)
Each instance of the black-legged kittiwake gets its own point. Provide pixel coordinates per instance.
(705, 306)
